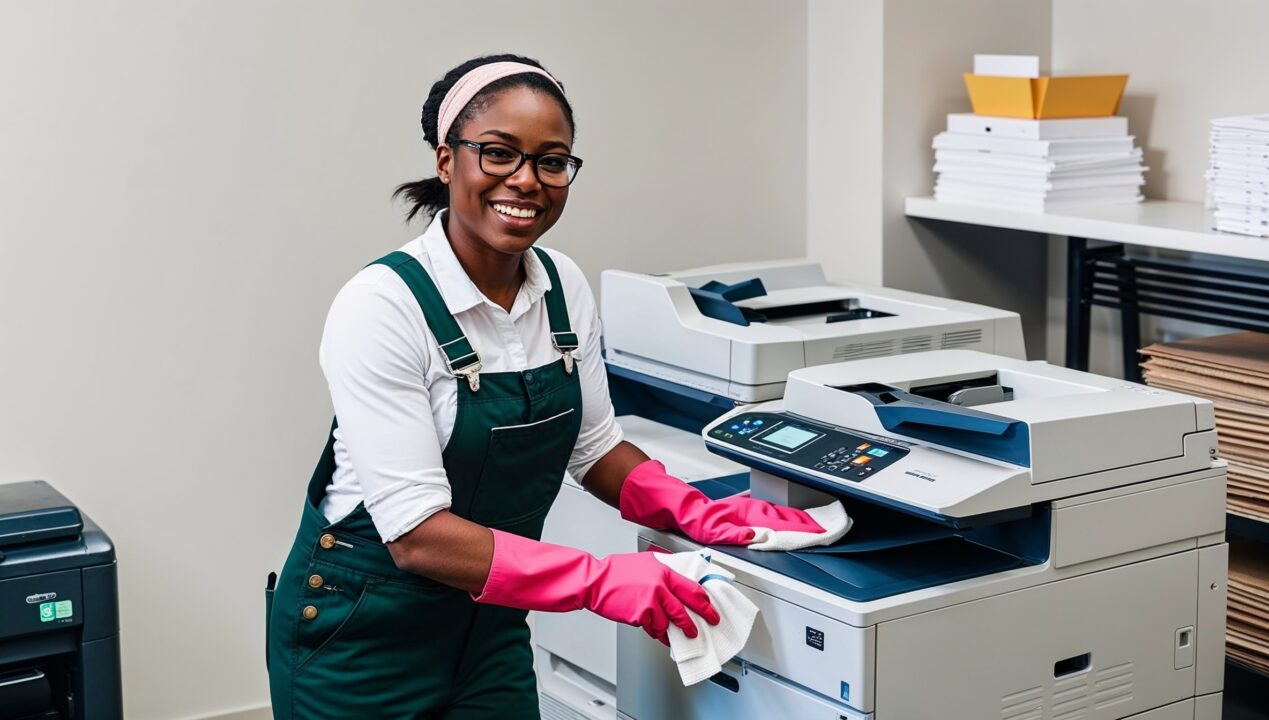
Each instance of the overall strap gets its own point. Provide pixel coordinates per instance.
(460, 356)
(562, 335)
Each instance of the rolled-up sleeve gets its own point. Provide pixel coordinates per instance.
(374, 356)
(600, 432)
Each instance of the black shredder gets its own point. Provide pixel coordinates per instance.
(59, 610)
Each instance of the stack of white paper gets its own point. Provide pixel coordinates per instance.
(1238, 174)
(1037, 165)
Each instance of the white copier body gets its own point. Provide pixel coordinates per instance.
(1054, 552)
(655, 333)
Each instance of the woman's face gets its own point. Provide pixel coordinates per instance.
(531, 122)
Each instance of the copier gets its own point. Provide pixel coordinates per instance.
(1030, 542)
(683, 348)
(738, 330)
(59, 617)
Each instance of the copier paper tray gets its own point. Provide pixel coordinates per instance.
(888, 552)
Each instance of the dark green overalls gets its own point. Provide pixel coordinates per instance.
(352, 636)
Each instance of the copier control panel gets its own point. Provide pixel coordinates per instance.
(797, 441)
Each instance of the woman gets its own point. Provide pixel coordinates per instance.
(466, 377)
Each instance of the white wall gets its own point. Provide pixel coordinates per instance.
(185, 185)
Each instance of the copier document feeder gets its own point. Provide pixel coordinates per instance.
(1029, 543)
(737, 331)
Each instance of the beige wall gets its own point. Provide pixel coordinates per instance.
(1188, 63)
(185, 185)
(925, 55)
(844, 130)
(881, 78)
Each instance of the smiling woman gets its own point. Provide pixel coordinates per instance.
(466, 376)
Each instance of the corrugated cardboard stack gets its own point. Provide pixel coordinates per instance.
(1247, 626)
(1238, 174)
(1233, 372)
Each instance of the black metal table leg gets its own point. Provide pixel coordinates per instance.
(1130, 319)
(1078, 291)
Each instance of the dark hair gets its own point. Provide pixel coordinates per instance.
(430, 195)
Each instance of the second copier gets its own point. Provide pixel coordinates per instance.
(682, 348)
(1029, 543)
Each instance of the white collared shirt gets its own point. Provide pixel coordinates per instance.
(396, 400)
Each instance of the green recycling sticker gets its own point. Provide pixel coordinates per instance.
(60, 610)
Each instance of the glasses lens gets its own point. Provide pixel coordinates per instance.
(499, 160)
(556, 170)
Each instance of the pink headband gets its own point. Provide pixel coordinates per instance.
(473, 82)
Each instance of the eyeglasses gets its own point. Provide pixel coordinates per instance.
(499, 160)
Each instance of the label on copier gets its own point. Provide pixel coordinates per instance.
(815, 638)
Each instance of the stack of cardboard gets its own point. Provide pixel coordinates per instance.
(1233, 372)
(1238, 174)
(1247, 627)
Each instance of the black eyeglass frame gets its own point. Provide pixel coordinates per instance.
(524, 157)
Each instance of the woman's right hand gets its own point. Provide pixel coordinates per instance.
(639, 590)
(633, 588)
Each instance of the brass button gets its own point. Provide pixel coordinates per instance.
(315, 581)
(327, 542)
(309, 612)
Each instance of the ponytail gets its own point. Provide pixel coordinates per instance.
(428, 196)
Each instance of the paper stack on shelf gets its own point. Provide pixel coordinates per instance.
(1233, 372)
(1037, 164)
(1247, 626)
(1238, 174)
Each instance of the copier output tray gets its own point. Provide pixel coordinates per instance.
(888, 552)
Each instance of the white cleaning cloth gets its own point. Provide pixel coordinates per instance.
(832, 518)
(703, 656)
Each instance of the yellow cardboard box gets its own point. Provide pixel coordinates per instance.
(1068, 96)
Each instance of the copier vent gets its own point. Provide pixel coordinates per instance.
(554, 709)
(961, 338)
(1074, 697)
(916, 343)
(858, 351)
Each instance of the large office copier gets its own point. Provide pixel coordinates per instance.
(683, 348)
(59, 615)
(1029, 543)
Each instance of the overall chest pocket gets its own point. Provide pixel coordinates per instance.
(522, 472)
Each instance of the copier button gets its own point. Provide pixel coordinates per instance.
(309, 612)
(315, 581)
(327, 541)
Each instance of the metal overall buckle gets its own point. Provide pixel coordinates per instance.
(566, 350)
(471, 371)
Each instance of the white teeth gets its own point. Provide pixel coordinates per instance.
(515, 211)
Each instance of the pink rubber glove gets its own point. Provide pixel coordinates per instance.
(656, 499)
(633, 588)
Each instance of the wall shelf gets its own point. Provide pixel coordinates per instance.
(1163, 224)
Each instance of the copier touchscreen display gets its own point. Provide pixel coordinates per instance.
(789, 437)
